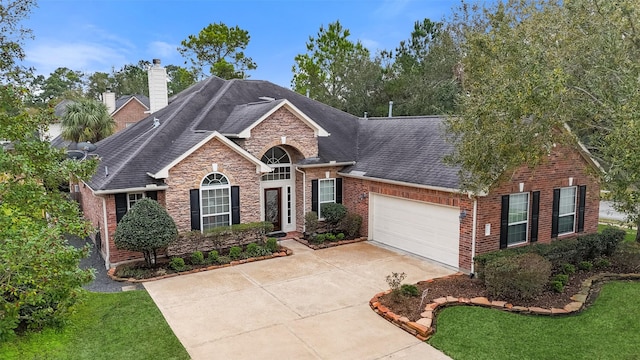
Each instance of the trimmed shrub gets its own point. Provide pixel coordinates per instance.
(611, 238)
(563, 278)
(319, 238)
(522, 276)
(177, 264)
(311, 222)
(350, 224)
(585, 265)
(251, 249)
(255, 250)
(340, 236)
(272, 244)
(602, 263)
(197, 258)
(146, 227)
(557, 286)
(235, 252)
(409, 290)
(568, 269)
(331, 237)
(333, 213)
(213, 256)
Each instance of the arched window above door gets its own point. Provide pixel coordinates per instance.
(278, 159)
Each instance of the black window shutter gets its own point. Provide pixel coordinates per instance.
(555, 213)
(152, 195)
(339, 191)
(535, 211)
(235, 204)
(582, 200)
(314, 195)
(504, 221)
(194, 200)
(121, 206)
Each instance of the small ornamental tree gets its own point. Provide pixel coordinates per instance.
(146, 228)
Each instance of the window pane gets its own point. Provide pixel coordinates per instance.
(518, 207)
(565, 224)
(326, 191)
(517, 234)
(567, 200)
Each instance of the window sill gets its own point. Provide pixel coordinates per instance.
(517, 244)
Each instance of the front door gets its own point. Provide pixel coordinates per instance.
(272, 207)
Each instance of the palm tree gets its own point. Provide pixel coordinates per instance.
(87, 120)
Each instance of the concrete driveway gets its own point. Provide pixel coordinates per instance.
(311, 305)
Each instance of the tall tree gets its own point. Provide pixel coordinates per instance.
(421, 79)
(61, 83)
(179, 79)
(87, 120)
(98, 83)
(221, 48)
(132, 79)
(334, 67)
(40, 278)
(532, 66)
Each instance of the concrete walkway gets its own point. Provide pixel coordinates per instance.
(311, 305)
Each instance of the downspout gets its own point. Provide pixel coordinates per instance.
(474, 229)
(106, 231)
(304, 196)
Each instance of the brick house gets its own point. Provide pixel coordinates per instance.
(225, 152)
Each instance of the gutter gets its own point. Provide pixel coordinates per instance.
(331, 163)
(134, 189)
(474, 230)
(395, 182)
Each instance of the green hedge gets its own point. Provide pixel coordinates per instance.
(560, 252)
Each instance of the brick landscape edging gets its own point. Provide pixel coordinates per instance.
(284, 251)
(425, 326)
(328, 244)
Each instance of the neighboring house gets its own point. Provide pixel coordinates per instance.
(225, 152)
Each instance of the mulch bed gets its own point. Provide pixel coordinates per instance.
(465, 287)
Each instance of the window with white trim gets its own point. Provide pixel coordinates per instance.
(133, 198)
(567, 210)
(518, 218)
(326, 194)
(215, 201)
(278, 159)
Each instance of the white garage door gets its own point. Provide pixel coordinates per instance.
(428, 230)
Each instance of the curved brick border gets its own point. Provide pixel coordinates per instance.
(425, 326)
(328, 244)
(284, 251)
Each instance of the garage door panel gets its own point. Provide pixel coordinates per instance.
(428, 230)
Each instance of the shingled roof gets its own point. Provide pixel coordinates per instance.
(405, 149)
(210, 105)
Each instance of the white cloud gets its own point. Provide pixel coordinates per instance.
(391, 8)
(87, 57)
(162, 49)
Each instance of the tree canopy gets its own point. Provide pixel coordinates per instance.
(40, 278)
(221, 48)
(87, 120)
(530, 67)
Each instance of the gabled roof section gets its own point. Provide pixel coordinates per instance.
(260, 166)
(245, 117)
(122, 101)
(405, 149)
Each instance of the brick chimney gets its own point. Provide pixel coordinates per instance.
(109, 99)
(158, 97)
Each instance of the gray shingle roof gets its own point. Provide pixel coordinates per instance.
(125, 98)
(210, 105)
(406, 149)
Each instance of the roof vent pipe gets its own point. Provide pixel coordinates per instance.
(390, 108)
(365, 115)
(307, 92)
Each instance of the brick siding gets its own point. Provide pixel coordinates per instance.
(132, 112)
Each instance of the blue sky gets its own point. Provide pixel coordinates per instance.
(92, 35)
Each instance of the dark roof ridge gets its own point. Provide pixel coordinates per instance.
(156, 132)
(211, 103)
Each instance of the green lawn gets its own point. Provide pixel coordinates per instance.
(124, 325)
(609, 329)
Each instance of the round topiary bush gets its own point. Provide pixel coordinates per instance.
(522, 276)
(146, 227)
